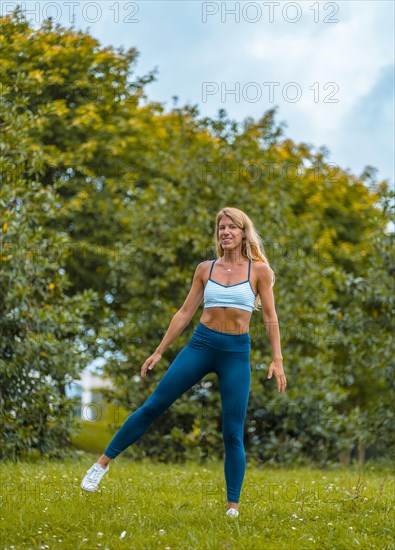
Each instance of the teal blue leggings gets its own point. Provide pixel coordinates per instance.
(208, 350)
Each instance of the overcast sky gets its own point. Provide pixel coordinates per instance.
(331, 64)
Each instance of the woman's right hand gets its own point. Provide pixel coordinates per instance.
(149, 363)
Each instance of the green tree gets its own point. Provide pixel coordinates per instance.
(58, 117)
(42, 327)
(119, 197)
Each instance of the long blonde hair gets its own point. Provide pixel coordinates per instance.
(252, 247)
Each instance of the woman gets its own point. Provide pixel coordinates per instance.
(232, 286)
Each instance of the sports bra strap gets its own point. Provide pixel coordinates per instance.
(212, 265)
(249, 267)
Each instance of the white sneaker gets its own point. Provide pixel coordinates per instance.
(93, 476)
(232, 512)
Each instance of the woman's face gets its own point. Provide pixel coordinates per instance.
(230, 236)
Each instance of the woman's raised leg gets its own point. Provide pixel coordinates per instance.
(187, 369)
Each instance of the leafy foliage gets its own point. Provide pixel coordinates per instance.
(108, 204)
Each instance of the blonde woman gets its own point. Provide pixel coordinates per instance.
(238, 281)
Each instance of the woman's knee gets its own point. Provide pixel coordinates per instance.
(153, 409)
(233, 436)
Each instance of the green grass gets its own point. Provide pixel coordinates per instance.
(183, 506)
(93, 437)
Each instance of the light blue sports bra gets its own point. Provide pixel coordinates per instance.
(240, 295)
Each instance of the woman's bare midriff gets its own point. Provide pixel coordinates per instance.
(230, 320)
(226, 319)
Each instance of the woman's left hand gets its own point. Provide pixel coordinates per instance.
(276, 368)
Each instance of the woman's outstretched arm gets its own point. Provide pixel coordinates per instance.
(180, 320)
(271, 324)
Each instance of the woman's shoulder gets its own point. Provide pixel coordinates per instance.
(260, 264)
(262, 269)
(204, 265)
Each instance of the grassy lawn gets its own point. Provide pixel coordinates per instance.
(147, 505)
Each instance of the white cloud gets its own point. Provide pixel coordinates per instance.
(357, 53)
(351, 53)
